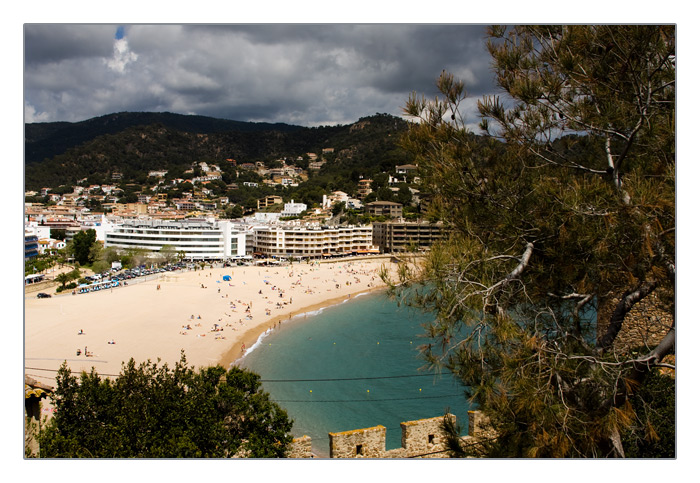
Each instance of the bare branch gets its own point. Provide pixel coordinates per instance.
(665, 347)
(523, 262)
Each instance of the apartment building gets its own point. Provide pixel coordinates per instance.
(384, 208)
(364, 187)
(312, 242)
(269, 201)
(185, 205)
(393, 237)
(31, 245)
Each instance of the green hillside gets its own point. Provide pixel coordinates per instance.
(48, 139)
(135, 143)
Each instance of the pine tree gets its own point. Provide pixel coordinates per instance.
(563, 207)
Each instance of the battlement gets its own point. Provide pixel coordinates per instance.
(419, 439)
(358, 443)
(300, 448)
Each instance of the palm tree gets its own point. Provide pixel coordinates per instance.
(63, 278)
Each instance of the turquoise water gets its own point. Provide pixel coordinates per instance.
(351, 366)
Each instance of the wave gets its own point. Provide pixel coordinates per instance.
(310, 312)
(250, 349)
(301, 315)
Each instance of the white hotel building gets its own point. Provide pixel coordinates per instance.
(198, 239)
(220, 240)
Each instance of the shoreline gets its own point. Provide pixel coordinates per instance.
(198, 312)
(252, 336)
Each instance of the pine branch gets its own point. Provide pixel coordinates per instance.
(629, 300)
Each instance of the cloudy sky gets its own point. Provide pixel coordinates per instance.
(304, 74)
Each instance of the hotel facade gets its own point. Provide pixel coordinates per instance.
(313, 242)
(198, 239)
(399, 236)
(221, 240)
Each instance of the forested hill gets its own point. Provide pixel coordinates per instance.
(48, 139)
(135, 143)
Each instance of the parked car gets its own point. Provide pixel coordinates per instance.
(42, 295)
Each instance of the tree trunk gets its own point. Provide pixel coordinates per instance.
(629, 299)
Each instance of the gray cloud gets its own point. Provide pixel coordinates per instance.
(57, 43)
(300, 74)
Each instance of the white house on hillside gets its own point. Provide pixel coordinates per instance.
(293, 209)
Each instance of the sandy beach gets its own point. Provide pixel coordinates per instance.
(210, 318)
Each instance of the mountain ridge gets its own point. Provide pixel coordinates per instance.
(133, 144)
(48, 139)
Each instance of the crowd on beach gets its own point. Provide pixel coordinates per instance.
(214, 314)
(275, 295)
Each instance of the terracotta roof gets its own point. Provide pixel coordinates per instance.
(34, 388)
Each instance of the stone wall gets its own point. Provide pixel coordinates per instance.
(358, 443)
(644, 326)
(48, 286)
(419, 439)
(423, 436)
(300, 448)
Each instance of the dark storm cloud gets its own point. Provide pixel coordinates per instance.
(301, 74)
(396, 57)
(56, 43)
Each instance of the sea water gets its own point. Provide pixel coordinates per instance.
(351, 366)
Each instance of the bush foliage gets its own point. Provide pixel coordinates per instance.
(152, 411)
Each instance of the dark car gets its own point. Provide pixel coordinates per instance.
(42, 295)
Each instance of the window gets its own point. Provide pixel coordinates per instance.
(431, 439)
(358, 450)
